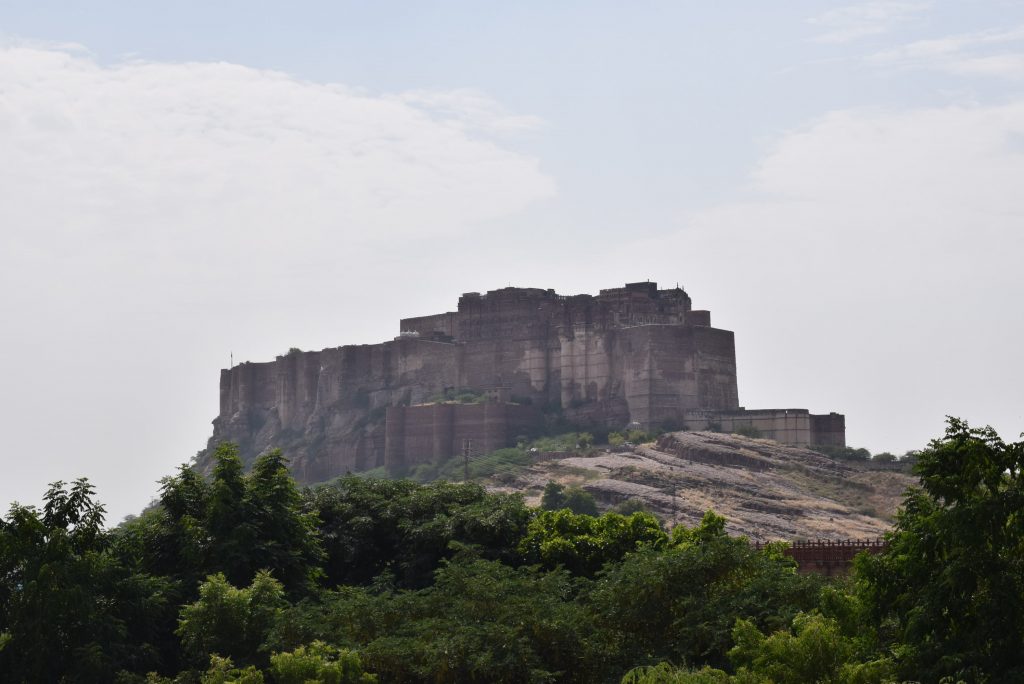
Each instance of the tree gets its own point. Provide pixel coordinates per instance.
(948, 592)
(480, 621)
(580, 501)
(370, 526)
(236, 524)
(553, 497)
(285, 539)
(557, 496)
(584, 543)
(663, 673)
(815, 651)
(228, 621)
(321, 663)
(68, 607)
(223, 671)
(680, 603)
(231, 535)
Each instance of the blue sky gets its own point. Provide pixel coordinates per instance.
(837, 182)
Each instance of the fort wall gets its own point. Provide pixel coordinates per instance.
(798, 427)
(630, 355)
(433, 433)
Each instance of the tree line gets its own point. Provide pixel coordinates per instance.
(245, 577)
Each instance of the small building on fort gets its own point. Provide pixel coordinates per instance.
(634, 355)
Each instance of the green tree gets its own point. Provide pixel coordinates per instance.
(320, 663)
(584, 543)
(553, 496)
(223, 671)
(557, 496)
(480, 621)
(948, 593)
(236, 524)
(815, 651)
(371, 526)
(231, 622)
(284, 538)
(580, 501)
(680, 603)
(228, 521)
(663, 673)
(69, 609)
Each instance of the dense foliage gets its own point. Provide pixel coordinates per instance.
(243, 577)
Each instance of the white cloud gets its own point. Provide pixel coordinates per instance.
(155, 217)
(853, 22)
(994, 53)
(218, 155)
(472, 110)
(884, 250)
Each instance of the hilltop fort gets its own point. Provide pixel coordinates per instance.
(502, 365)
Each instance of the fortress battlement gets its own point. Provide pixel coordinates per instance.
(524, 311)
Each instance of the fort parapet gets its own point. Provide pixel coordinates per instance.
(829, 557)
(630, 355)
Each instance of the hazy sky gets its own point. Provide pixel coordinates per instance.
(842, 184)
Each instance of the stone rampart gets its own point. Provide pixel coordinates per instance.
(634, 354)
(432, 433)
(830, 558)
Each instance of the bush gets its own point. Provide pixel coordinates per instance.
(638, 436)
(748, 431)
(843, 453)
(562, 442)
(631, 506)
(557, 497)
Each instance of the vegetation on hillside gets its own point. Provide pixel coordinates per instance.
(246, 578)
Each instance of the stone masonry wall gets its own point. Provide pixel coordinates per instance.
(630, 354)
(432, 433)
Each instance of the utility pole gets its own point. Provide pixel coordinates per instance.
(467, 447)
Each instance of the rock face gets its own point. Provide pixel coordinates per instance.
(634, 354)
(766, 490)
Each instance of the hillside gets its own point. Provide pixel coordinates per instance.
(766, 490)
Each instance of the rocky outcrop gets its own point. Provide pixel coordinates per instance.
(766, 490)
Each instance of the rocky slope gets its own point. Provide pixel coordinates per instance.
(766, 490)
